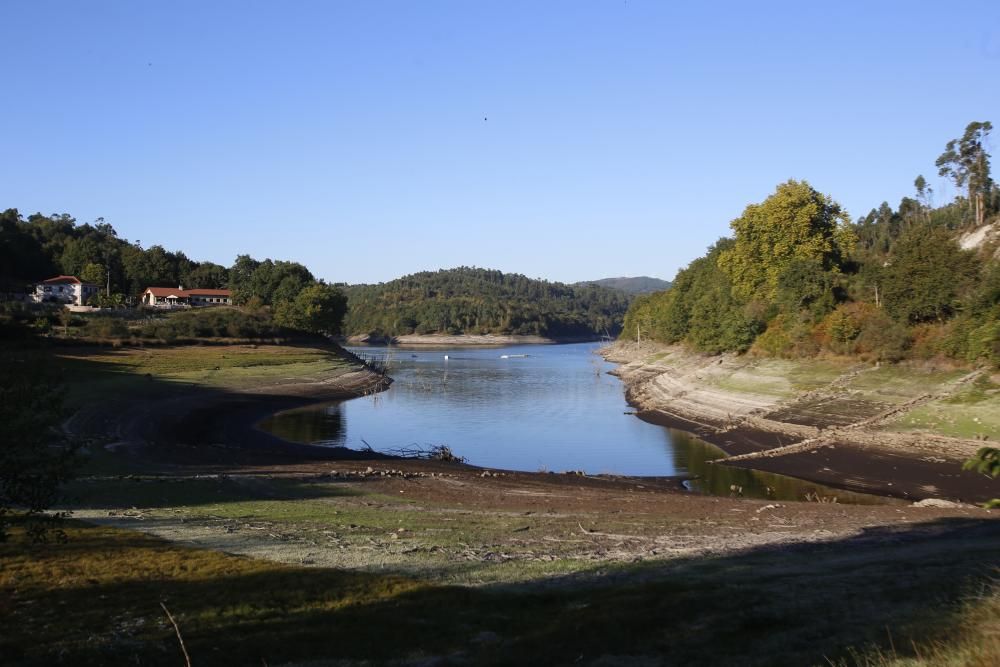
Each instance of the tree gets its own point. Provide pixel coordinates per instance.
(241, 278)
(795, 223)
(927, 273)
(318, 308)
(93, 273)
(925, 193)
(33, 463)
(967, 163)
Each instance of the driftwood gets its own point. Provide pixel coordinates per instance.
(177, 631)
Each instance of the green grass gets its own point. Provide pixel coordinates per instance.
(94, 374)
(901, 383)
(779, 377)
(973, 412)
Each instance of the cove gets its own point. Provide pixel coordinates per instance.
(532, 408)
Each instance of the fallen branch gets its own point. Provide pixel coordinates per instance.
(177, 631)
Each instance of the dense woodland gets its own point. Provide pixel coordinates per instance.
(636, 285)
(480, 301)
(799, 278)
(456, 301)
(41, 246)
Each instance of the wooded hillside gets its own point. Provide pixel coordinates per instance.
(799, 278)
(480, 301)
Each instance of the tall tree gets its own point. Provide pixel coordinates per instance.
(967, 163)
(926, 276)
(795, 223)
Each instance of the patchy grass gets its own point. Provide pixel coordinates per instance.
(900, 383)
(92, 373)
(815, 374)
(973, 412)
(750, 381)
(358, 528)
(95, 600)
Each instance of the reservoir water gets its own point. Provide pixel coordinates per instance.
(548, 408)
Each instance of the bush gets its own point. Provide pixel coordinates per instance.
(105, 327)
(882, 338)
(212, 323)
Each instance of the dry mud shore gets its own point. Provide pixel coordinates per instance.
(190, 467)
(842, 425)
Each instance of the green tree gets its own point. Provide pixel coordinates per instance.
(966, 162)
(926, 275)
(318, 308)
(795, 223)
(93, 273)
(33, 462)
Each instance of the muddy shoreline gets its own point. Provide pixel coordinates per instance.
(855, 456)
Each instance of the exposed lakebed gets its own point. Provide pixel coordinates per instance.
(529, 408)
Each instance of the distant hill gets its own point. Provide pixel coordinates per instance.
(482, 301)
(637, 285)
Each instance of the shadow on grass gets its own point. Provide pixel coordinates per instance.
(152, 492)
(96, 601)
(178, 422)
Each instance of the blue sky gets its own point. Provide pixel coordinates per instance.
(564, 140)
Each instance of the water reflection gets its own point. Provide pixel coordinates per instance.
(696, 456)
(314, 425)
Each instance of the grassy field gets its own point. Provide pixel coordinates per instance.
(972, 412)
(779, 377)
(93, 373)
(898, 384)
(914, 601)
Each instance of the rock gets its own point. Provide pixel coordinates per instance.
(937, 502)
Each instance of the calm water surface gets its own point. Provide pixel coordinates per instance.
(530, 408)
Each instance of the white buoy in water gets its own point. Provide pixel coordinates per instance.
(446, 357)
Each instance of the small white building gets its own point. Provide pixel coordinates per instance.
(68, 290)
(169, 297)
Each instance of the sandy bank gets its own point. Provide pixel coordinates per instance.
(834, 423)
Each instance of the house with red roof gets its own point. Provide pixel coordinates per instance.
(171, 297)
(68, 290)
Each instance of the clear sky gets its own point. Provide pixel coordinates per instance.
(566, 140)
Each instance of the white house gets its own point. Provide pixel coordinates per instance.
(169, 297)
(68, 290)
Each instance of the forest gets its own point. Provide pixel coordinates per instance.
(481, 301)
(799, 278)
(42, 246)
(463, 300)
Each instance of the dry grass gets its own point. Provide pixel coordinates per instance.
(972, 640)
(96, 601)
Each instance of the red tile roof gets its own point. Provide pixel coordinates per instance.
(62, 279)
(209, 292)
